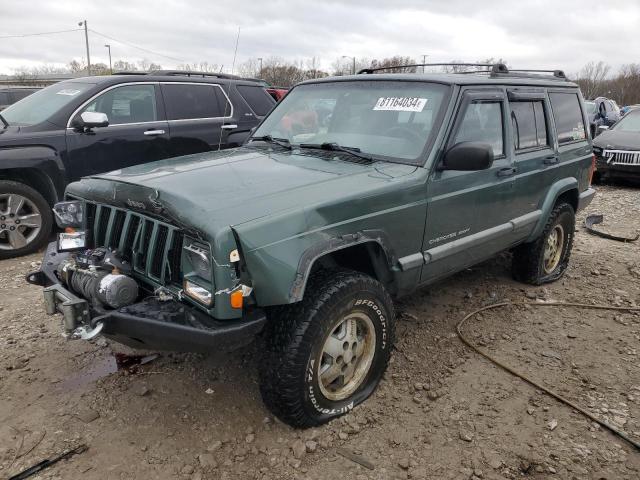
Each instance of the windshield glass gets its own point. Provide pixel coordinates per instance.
(629, 123)
(36, 108)
(386, 119)
(591, 107)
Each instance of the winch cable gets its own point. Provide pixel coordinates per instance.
(527, 379)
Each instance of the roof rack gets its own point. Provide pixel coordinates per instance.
(493, 69)
(180, 73)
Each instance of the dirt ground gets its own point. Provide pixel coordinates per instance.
(442, 412)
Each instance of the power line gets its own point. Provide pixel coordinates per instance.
(39, 33)
(136, 46)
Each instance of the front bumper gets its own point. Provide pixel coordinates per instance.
(616, 170)
(149, 324)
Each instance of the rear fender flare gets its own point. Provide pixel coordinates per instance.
(557, 189)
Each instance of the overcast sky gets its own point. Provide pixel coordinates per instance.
(527, 33)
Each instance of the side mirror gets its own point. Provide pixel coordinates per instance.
(468, 156)
(89, 120)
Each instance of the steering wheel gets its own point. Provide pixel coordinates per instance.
(403, 133)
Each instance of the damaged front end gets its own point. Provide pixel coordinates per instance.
(142, 282)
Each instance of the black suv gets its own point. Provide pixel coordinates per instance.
(10, 95)
(92, 125)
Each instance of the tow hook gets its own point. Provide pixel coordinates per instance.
(86, 333)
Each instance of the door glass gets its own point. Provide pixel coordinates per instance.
(529, 126)
(482, 122)
(127, 104)
(257, 98)
(568, 117)
(185, 101)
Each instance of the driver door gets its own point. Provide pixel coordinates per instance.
(137, 131)
(468, 212)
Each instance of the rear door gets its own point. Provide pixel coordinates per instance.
(137, 131)
(535, 156)
(200, 117)
(468, 212)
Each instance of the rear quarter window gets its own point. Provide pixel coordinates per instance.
(568, 117)
(257, 98)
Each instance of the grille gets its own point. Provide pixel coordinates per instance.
(622, 157)
(152, 247)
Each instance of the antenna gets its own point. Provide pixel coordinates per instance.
(226, 104)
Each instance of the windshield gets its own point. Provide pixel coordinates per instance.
(36, 108)
(629, 123)
(591, 107)
(387, 119)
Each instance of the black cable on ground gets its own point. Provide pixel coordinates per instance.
(548, 391)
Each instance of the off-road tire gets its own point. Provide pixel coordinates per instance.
(294, 339)
(9, 187)
(528, 258)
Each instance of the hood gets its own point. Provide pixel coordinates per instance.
(231, 187)
(617, 140)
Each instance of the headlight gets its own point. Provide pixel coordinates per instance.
(197, 292)
(72, 240)
(198, 260)
(69, 214)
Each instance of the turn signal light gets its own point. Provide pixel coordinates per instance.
(237, 299)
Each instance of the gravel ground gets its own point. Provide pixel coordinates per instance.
(442, 412)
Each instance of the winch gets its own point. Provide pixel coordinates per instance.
(101, 278)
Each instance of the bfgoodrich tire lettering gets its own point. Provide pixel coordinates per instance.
(536, 263)
(296, 337)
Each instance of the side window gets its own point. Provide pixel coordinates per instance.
(568, 117)
(127, 104)
(529, 126)
(482, 122)
(186, 101)
(257, 98)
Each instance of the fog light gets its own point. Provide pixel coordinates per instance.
(72, 240)
(198, 293)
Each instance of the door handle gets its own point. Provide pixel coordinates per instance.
(231, 126)
(154, 132)
(551, 160)
(506, 172)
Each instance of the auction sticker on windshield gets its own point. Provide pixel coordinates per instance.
(401, 104)
(68, 91)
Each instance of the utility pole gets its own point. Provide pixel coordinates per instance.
(86, 41)
(424, 60)
(353, 69)
(110, 68)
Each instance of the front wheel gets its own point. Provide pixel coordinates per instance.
(25, 219)
(326, 354)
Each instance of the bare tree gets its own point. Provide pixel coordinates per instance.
(591, 78)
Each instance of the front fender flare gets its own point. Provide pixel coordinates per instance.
(334, 244)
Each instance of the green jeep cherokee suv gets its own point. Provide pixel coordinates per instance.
(352, 192)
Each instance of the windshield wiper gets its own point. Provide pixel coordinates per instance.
(334, 147)
(6, 124)
(282, 142)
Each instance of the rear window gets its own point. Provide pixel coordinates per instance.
(257, 98)
(186, 101)
(529, 126)
(568, 117)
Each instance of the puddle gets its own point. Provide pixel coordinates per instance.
(106, 366)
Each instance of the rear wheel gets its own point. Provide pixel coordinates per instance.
(547, 258)
(25, 219)
(326, 354)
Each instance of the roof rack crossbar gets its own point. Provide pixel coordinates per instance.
(492, 67)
